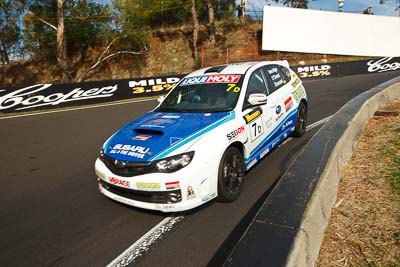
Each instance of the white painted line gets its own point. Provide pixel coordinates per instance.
(74, 109)
(316, 124)
(143, 245)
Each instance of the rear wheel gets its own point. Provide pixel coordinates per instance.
(301, 122)
(230, 175)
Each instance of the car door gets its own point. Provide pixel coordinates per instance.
(278, 91)
(258, 119)
(280, 101)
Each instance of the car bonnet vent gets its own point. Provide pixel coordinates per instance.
(217, 69)
(148, 131)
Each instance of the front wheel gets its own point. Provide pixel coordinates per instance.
(230, 175)
(301, 122)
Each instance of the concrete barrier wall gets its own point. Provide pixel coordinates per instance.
(355, 114)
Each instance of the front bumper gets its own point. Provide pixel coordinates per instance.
(166, 192)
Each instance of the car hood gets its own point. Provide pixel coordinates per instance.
(157, 134)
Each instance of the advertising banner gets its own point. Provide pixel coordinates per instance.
(52, 96)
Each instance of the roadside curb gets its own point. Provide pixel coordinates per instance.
(289, 227)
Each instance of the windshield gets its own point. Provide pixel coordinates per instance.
(208, 93)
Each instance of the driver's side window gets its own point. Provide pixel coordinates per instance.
(256, 85)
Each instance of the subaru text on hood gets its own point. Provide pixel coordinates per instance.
(198, 143)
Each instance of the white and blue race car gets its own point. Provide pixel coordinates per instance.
(198, 143)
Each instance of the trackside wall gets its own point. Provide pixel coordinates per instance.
(288, 229)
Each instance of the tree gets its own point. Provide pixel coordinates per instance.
(196, 28)
(211, 21)
(10, 30)
(62, 59)
(294, 3)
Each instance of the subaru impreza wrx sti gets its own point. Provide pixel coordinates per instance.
(198, 143)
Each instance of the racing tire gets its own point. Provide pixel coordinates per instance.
(301, 122)
(230, 175)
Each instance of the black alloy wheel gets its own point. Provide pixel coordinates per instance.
(230, 175)
(301, 122)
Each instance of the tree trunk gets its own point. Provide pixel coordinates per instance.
(231, 7)
(61, 42)
(196, 28)
(211, 21)
(4, 55)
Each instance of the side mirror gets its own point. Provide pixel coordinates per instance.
(257, 99)
(161, 99)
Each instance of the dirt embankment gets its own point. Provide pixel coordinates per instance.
(169, 52)
(364, 229)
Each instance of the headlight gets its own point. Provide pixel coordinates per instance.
(101, 152)
(174, 163)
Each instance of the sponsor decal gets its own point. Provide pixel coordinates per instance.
(153, 85)
(278, 110)
(383, 65)
(173, 140)
(287, 124)
(208, 197)
(117, 181)
(141, 137)
(276, 141)
(141, 185)
(153, 125)
(265, 152)
(314, 71)
(225, 78)
(28, 97)
(254, 114)
(129, 150)
(235, 133)
(172, 185)
(273, 71)
(233, 88)
(170, 117)
(190, 193)
(100, 174)
(296, 83)
(167, 207)
(276, 77)
(268, 123)
(298, 93)
(279, 117)
(288, 103)
(251, 164)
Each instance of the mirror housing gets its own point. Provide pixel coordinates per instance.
(257, 99)
(161, 99)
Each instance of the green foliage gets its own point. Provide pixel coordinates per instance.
(294, 3)
(90, 24)
(87, 24)
(39, 38)
(10, 30)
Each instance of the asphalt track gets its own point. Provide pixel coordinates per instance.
(51, 213)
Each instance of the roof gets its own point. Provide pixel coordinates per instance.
(234, 68)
